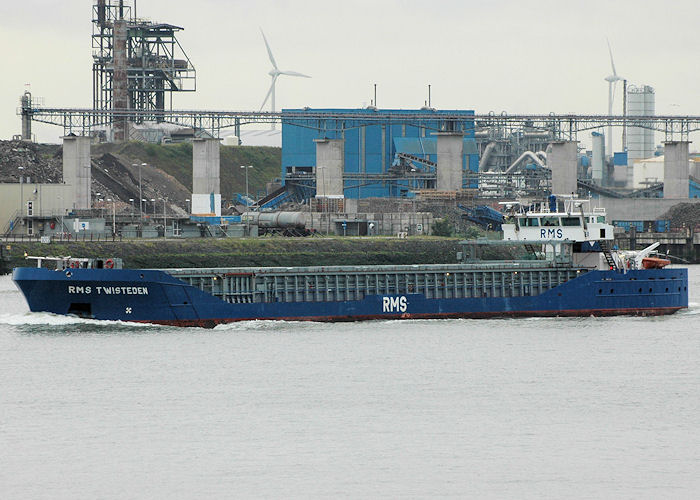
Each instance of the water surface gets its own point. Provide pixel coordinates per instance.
(516, 408)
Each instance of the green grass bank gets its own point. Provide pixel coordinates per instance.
(280, 251)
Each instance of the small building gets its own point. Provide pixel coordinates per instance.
(26, 207)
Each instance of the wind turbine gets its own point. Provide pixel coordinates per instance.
(612, 84)
(275, 72)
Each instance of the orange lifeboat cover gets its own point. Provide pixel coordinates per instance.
(654, 263)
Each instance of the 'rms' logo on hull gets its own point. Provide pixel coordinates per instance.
(394, 304)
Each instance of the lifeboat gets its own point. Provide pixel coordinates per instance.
(654, 263)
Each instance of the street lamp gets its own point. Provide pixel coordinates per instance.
(141, 205)
(164, 218)
(21, 190)
(153, 202)
(132, 207)
(63, 211)
(114, 216)
(102, 208)
(139, 167)
(140, 188)
(324, 200)
(187, 201)
(247, 218)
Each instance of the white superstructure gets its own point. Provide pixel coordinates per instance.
(577, 225)
(577, 222)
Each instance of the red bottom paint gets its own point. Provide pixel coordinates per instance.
(211, 323)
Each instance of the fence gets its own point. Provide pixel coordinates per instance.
(63, 237)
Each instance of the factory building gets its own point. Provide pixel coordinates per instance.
(379, 159)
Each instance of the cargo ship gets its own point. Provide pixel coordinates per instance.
(570, 269)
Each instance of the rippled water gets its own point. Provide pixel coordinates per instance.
(518, 408)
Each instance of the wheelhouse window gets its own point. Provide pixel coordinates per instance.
(550, 221)
(601, 219)
(571, 221)
(529, 222)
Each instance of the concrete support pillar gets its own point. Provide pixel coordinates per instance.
(450, 147)
(76, 170)
(563, 161)
(330, 163)
(676, 169)
(120, 96)
(206, 193)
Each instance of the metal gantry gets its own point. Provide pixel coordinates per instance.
(83, 121)
(146, 56)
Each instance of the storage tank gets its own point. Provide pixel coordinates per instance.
(276, 219)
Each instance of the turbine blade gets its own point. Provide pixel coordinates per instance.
(269, 92)
(294, 73)
(612, 63)
(269, 52)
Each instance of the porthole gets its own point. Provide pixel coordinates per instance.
(649, 289)
(600, 290)
(612, 290)
(640, 290)
(68, 274)
(666, 290)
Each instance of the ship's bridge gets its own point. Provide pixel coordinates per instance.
(577, 222)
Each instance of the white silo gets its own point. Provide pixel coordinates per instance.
(640, 141)
(598, 165)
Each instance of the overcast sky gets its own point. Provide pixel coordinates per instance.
(537, 56)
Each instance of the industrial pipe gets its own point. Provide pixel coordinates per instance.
(485, 156)
(526, 154)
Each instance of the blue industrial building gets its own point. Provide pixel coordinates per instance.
(371, 148)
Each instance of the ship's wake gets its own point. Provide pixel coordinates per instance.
(40, 322)
(693, 308)
(271, 326)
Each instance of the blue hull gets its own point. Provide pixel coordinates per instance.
(156, 297)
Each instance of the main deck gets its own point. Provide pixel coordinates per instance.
(346, 283)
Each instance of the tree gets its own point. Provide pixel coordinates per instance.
(442, 227)
(473, 233)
